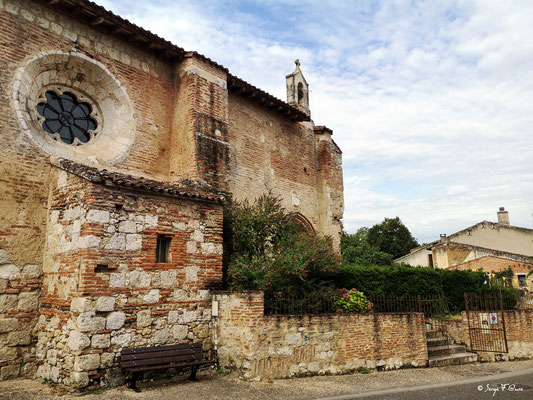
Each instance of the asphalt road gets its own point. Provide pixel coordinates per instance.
(516, 385)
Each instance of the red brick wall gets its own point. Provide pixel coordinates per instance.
(519, 335)
(256, 345)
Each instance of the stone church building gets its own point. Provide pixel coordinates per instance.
(117, 149)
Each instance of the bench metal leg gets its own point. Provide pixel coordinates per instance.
(133, 382)
(193, 373)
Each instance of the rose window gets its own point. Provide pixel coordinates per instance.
(67, 119)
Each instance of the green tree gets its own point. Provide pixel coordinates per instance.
(392, 237)
(269, 251)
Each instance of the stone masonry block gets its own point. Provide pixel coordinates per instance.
(127, 227)
(88, 322)
(117, 242)
(28, 301)
(188, 316)
(3, 285)
(140, 279)
(87, 362)
(10, 371)
(151, 221)
(5, 256)
(168, 279)
(9, 271)
(78, 341)
(115, 320)
(191, 247)
(30, 271)
(179, 332)
(82, 304)
(134, 242)
(8, 302)
(144, 318)
(8, 324)
(152, 296)
(173, 317)
(79, 379)
(101, 341)
(117, 280)
(19, 338)
(121, 341)
(98, 216)
(105, 303)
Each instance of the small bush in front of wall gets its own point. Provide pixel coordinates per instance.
(351, 301)
(270, 251)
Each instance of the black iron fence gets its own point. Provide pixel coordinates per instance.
(431, 306)
(299, 304)
(324, 303)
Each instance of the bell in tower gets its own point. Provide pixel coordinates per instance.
(298, 89)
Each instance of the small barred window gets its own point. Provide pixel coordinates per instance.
(67, 119)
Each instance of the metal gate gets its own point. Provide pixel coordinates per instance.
(486, 322)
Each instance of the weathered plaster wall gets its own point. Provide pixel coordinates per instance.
(497, 237)
(259, 346)
(102, 288)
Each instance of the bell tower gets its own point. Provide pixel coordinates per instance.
(298, 89)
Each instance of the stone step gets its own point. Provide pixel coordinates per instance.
(435, 334)
(454, 359)
(438, 351)
(433, 342)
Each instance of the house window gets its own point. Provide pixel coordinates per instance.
(430, 260)
(162, 249)
(521, 279)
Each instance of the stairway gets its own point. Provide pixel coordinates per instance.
(441, 353)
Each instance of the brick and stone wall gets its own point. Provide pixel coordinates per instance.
(103, 289)
(303, 166)
(259, 346)
(75, 255)
(518, 330)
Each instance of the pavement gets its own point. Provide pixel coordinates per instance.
(470, 381)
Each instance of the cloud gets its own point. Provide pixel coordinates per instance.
(430, 101)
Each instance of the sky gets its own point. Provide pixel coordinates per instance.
(431, 101)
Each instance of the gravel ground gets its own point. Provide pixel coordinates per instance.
(219, 387)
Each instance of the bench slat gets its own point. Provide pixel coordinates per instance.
(161, 348)
(132, 357)
(177, 365)
(161, 360)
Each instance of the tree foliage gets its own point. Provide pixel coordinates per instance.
(269, 251)
(392, 237)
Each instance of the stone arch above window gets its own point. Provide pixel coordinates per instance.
(303, 222)
(96, 124)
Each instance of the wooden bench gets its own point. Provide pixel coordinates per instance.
(178, 356)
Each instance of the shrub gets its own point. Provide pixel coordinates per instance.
(351, 301)
(403, 280)
(270, 252)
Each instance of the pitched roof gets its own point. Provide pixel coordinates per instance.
(185, 188)
(109, 23)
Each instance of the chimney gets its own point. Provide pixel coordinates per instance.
(503, 217)
(443, 237)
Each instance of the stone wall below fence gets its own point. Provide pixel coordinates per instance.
(519, 332)
(268, 346)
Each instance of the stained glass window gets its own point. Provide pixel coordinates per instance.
(66, 116)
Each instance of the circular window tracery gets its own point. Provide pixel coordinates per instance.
(67, 119)
(88, 117)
